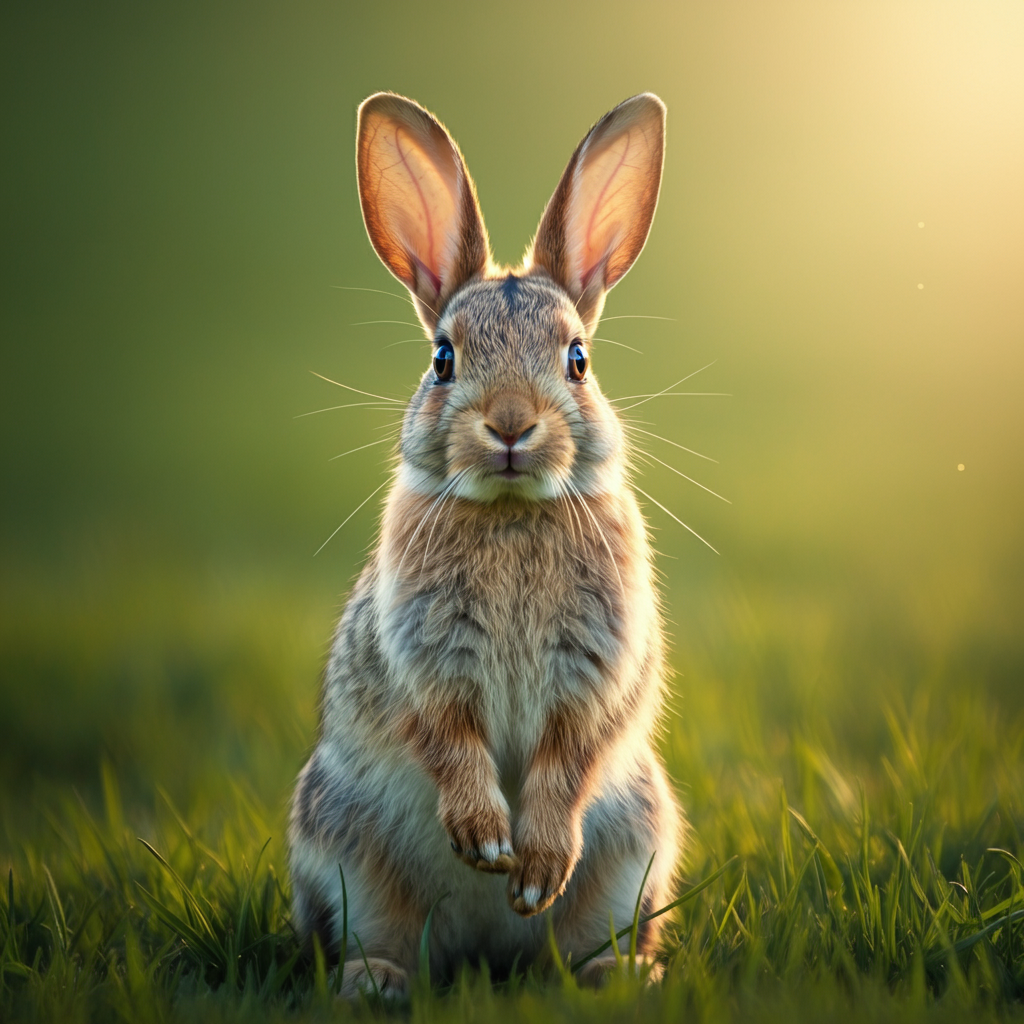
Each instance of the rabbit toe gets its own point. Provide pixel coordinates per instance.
(482, 841)
(537, 881)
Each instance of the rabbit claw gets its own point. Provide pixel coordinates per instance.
(492, 854)
(537, 880)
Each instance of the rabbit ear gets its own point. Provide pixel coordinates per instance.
(597, 221)
(419, 203)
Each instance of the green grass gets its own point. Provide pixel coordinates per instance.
(860, 783)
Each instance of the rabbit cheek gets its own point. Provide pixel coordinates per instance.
(465, 451)
(425, 426)
(559, 450)
(602, 439)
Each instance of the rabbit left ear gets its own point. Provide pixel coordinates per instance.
(598, 219)
(419, 203)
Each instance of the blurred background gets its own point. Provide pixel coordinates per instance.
(840, 235)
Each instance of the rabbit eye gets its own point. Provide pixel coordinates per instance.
(444, 360)
(578, 361)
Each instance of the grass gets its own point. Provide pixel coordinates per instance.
(856, 791)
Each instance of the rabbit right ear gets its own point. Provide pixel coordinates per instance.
(597, 221)
(419, 203)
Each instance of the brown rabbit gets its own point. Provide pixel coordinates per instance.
(496, 676)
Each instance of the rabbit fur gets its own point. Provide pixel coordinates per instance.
(496, 676)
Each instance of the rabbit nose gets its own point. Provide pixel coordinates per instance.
(510, 439)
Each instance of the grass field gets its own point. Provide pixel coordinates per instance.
(856, 794)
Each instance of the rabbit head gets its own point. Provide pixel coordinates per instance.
(508, 409)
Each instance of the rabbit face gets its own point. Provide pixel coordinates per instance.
(512, 418)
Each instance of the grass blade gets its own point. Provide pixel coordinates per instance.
(339, 977)
(424, 973)
(685, 898)
(636, 919)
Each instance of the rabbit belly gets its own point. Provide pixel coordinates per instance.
(379, 824)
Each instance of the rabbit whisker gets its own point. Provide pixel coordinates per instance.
(608, 341)
(369, 323)
(383, 440)
(349, 516)
(600, 533)
(648, 455)
(674, 394)
(447, 487)
(664, 391)
(407, 341)
(369, 394)
(445, 495)
(637, 316)
(675, 517)
(378, 291)
(331, 408)
(629, 426)
(563, 493)
(576, 516)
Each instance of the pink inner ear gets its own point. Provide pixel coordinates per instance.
(607, 201)
(428, 240)
(601, 233)
(417, 197)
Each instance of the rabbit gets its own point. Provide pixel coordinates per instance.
(494, 682)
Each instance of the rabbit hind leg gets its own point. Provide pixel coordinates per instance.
(374, 913)
(615, 863)
(596, 973)
(373, 976)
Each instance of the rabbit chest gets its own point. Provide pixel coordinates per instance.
(514, 611)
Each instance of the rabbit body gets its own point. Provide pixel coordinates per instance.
(495, 678)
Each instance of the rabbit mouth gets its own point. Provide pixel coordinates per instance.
(507, 483)
(513, 462)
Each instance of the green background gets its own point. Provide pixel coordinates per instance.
(180, 225)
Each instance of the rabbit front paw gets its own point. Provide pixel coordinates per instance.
(480, 836)
(540, 876)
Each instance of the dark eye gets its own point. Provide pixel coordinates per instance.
(444, 360)
(578, 361)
